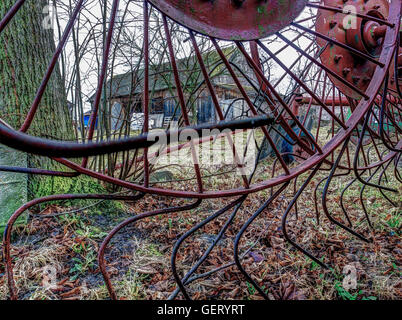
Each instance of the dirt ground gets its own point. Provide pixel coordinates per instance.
(62, 250)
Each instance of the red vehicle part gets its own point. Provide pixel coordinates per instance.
(354, 64)
(232, 19)
(356, 32)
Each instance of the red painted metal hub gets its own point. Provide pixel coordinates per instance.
(232, 19)
(355, 32)
(366, 144)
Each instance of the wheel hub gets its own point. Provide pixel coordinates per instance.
(232, 19)
(359, 33)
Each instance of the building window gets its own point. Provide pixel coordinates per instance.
(157, 105)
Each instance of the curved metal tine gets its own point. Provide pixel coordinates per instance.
(325, 192)
(340, 44)
(30, 204)
(341, 202)
(396, 67)
(192, 231)
(391, 117)
(343, 119)
(294, 193)
(317, 212)
(241, 232)
(218, 237)
(281, 101)
(203, 275)
(382, 113)
(182, 101)
(391, 121)
(286, 214)
(356, 158)
(396, 172)
(41, 90)
(379, 182)
(385, 175)
(186, 279)
(102, 248)
(332, 120)
(373, 138)
(361, 197)
(42, 172)
(380, 156)
(378, 120)
(394, 109)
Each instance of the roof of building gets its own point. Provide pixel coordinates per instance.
(161, 76)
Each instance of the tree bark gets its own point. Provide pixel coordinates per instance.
(26, 48)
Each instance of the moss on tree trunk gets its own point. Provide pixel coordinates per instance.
(26, 48)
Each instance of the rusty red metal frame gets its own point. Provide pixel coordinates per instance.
(378, 106)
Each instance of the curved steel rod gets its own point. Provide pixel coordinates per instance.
(176, 248)
(382, 114)
(241, 232)
(356, 158)
(287, 211)
(342, 204)
(30, 204)
(325, 193)
(186, 279)
(379, 182)
(101, 254)
(317, 213)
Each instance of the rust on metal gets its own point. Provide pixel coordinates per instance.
(232, 19)
(355, 32)
(354, 89)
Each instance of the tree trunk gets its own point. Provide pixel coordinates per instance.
(26, 49)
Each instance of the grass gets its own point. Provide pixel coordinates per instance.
(138, 259)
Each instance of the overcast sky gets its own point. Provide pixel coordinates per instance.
(93, 12)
